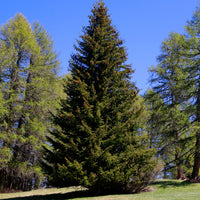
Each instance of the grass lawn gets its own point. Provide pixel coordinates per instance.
(162, 190)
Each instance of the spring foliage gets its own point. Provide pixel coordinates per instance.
(176, 85)
(28, 91)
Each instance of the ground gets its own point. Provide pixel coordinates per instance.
(162, 190)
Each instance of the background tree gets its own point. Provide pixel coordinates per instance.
(29, 90)
(99, 142)
(193, 55)
(169, 120)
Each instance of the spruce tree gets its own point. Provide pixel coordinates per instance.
(99, 142)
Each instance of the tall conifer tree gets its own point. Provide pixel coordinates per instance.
(193, 55)
(169, 118)
(28, 70)
(100, 142)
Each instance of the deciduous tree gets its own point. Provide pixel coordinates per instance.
(169, 120)
(193, 29)
(29, 89)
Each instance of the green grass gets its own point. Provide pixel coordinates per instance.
(162, 190)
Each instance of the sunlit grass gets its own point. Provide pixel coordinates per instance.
(162, 190)
(41, 192)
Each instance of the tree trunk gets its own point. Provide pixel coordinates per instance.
(1, 179)
(180, 174)
(195, 172)
(11, 181)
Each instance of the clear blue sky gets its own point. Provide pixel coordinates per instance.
(142, 24)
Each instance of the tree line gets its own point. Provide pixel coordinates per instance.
(91, 127)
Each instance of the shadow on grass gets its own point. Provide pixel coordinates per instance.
(82, 194)
(60, 196)
(168, 183)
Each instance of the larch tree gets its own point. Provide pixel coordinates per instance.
(169, 119)
(193, 55)
(99, 142)
(29, 90)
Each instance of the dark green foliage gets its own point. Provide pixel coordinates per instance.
(28, 92)
(99, 142)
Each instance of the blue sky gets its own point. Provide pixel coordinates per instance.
(142, 24)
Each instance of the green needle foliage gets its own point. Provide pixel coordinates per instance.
(99, 142)
(28, 91)
(193, 29)
(174, 103)
(169, 120)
